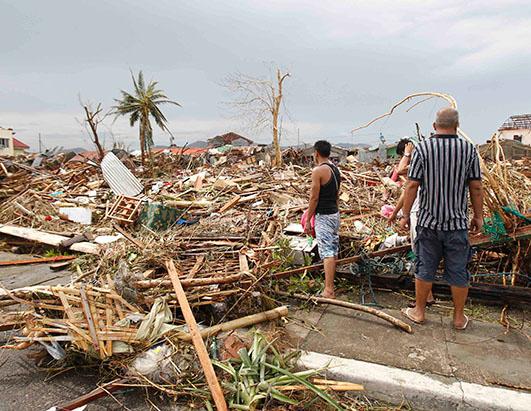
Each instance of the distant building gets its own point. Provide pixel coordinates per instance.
(337, 154)
(512, 150)
(381, 152)
(517, 128)
(229, 138)
(9, 145)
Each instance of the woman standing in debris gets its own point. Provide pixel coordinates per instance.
(323, 205)
(405, 149)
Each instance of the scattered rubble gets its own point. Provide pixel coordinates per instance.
(215, 230)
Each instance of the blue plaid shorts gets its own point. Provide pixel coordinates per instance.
(327, 234)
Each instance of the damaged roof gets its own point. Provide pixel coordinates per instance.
(19, 144)
(517, 122)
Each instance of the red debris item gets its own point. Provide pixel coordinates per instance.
(48, 218)
(231, 345)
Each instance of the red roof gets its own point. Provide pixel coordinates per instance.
(19, 144)
(192, 151)
(84, 156)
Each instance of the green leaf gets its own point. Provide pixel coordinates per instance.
(308, 385)
(277, 395)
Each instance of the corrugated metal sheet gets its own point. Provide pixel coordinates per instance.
(120, 179)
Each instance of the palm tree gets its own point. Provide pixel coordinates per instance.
(142, 105)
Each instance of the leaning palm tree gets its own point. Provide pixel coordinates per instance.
(142, 105)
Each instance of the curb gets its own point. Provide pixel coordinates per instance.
(422, 391)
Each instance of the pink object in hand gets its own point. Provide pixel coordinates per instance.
(387, 210)
(303, 220)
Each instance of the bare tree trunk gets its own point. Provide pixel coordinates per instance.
(277, 101)
(276, 144)
(93, 123)
(261, 99)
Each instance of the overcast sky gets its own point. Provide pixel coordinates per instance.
(350, 61)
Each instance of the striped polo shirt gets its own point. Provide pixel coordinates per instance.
(444, 165)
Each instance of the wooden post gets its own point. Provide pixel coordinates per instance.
(204, 359)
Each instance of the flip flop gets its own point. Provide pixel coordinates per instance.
(464, 325)
(405, 312)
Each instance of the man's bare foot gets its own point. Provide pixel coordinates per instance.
(328, 294)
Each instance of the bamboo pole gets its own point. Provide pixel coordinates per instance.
(239, 323)
(204, 359)
(358, 307)
(190, 282)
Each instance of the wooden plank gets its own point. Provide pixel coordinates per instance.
(109, 322)
(198, 263)
(127, 235)
(98, 324)
(478, 241)
(197, 340)
(46, 238)
(229, 204)
(103, 391)
(244, 263)
(38, 260)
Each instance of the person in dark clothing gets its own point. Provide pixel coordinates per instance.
(323, 204)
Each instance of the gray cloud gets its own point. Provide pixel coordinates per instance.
(350, 61)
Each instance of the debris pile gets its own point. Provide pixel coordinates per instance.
(225, 221)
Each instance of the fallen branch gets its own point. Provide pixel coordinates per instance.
(358, 307)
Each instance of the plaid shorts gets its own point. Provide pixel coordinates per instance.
(327, 234)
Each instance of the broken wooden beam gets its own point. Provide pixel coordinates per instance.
(128, 236)
(37, 260)
(197, 340)
(229, 204)
(100, 392)
(46, 238)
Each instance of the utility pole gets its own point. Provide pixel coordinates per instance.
(40, 143)
(298, 136)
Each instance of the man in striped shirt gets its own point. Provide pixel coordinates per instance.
(445, 168)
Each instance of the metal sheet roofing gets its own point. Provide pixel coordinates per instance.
(120, 179)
